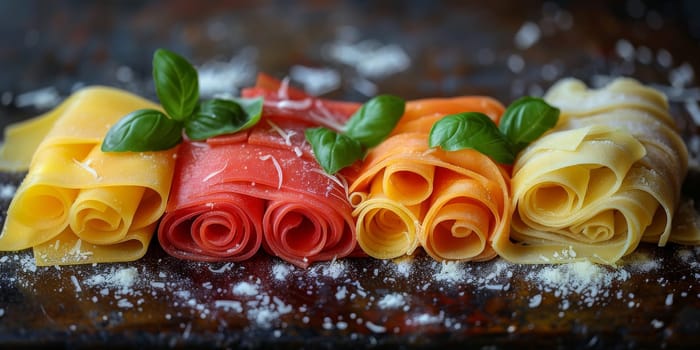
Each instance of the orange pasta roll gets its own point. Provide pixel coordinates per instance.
(407, 195)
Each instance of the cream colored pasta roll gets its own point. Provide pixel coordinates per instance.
(606, 178)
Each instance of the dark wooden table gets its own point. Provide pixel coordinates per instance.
(414, 49)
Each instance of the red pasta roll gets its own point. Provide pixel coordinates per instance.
(235, 193)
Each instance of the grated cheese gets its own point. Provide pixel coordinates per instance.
(286, 135)
(214, 173)
(76, 284)
(283, 91)
(277, 167)
(340, 180)
(86, 166)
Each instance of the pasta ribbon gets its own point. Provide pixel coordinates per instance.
(234, 194)
(78, 204)
(606, 178)
(408, 195)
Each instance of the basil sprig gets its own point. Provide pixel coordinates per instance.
(375, 120)
(471, 130)
(177, 84)
(177, 87)
(367, 127)
(524, 120)
(332, 150)
(144, 129)
(218, 116)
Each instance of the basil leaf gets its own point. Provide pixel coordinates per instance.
(526, 119)
(177, 84)
(333, 151)
(218, 116)
(471, 130)
(253, 107)
(143, 130)
(371, 124)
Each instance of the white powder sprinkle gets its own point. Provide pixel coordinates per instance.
(7, 191)
(425, 319)
(281, 271)
(341, 293)
(588, 281)
(267, 310)
(682, 75)
(657, 324)
(535, 301)
(392, 301)
(515, 63)
(450, 272)
(625, 50)
(219, 78)
(528, 34)
(125, 304)
(125, 277)
(375, 328)
(43, 98)
(641, 262)
(229, 305)
(27, 263)
(245, 289)
(121, 279)
(76, 284)
(316, 81)
(669, 299)
(334, 269)
(370, 58)
(403, 267)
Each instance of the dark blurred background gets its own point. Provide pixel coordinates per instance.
(349, 49)
(352, 50)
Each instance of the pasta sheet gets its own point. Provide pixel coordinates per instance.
(407, 195)
(606, 178)
(234, 194)
(76, 203)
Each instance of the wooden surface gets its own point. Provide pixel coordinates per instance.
(652, 300)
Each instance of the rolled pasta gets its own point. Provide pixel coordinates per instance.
(78, 204)
(237, 193)
(407, 195)
(606, 178)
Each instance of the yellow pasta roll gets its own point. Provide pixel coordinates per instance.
(606, 178)
(78, 204)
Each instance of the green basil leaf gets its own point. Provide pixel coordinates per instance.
(471, 130)
(527, 119)
(252, 106)
(218, 116)
(143, 130)
(177, 84)
(371, 124)
(333, 151)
